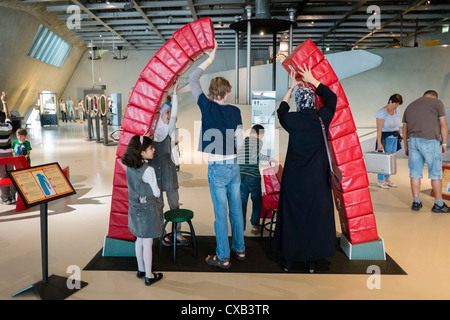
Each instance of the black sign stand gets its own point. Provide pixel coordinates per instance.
(53, 287)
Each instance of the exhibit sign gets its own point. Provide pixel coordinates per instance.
(263, 113)
(39, 184)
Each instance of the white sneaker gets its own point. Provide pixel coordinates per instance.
(390, 184)
(382, 185)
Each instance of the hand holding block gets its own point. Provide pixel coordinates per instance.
(307, 53)
(188, 42)
(324, 73)
(203, 30)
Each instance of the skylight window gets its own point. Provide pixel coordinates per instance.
(49, 48)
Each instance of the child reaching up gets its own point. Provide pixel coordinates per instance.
(145, 219)
(22, 147)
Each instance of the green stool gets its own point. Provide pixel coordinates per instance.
(178, 216)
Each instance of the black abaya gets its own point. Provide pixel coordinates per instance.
(305, 228)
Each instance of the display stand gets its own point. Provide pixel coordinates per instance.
(40, 185)
(90, 128)
(104, 110)
(370, 250)
(97, 129)
(88, 104)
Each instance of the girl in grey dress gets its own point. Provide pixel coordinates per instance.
(145, 217)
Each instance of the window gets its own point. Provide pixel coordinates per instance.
(49, 48)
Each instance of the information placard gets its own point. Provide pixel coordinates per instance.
(41, 183)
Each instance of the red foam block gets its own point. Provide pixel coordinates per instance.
(146, 96)
(173, 56)
(158, 74)
(203, 30)
(354, 203)
(304, 54)
(342, 124)
(346, 148)
(354, 175)
(186, 39)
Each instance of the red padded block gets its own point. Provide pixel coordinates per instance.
(124, 139)
(186, 39)
(137, 120)
(174, 57)
(305, 53)
(146, 96)
(203, 30)
(118, 226)
(346, 148)
(342, 124)
(342, 101)
(120, 175)
(158, 74)
(324, 73)
(354, 175)
(120, 193)
(272, 179)
(362, 229)
(120, 206)
(270, 202)
(354, 203)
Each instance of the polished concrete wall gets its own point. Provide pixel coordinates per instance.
(21, 76)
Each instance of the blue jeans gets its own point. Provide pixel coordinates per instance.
(421, 151)
(389, 146)
(71, 116)
(251, 185)
(224, 185)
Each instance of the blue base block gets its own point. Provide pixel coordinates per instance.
(371, 250)
(118, 248)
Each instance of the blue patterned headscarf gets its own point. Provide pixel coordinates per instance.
(304, 98)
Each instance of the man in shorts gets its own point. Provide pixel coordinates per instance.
(425, 137)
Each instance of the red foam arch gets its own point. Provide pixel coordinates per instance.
(174, 58)
(353, 201)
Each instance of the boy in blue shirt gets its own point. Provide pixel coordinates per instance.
(22, 147)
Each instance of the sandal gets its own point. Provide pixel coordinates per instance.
(212, 260)
(156, 278)
(255, 230)
(240, 256)
(167, 242)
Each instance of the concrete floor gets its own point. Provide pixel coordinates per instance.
(417, 241)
